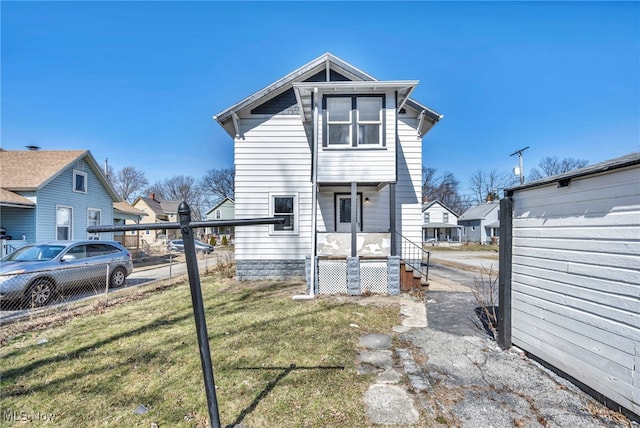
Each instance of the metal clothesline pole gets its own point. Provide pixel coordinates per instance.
(186, 226)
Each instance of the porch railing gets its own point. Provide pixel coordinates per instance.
(414, 256)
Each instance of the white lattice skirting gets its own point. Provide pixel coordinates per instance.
(332, 276)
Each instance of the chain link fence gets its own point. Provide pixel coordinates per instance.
(49, 291)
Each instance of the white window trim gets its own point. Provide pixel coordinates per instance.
(354, 122)
(295, 230)
(70, 221)
(94, 236)
(218, 214)
(86, 181)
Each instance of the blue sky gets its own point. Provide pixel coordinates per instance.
(139, 82)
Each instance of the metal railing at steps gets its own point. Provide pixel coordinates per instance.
(146, 248)
(414, 256)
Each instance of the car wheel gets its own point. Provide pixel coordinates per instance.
(39, 293)
(117, 278)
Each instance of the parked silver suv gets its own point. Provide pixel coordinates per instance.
(201, 247)
(34, 273)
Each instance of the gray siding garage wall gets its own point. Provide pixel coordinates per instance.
(575, 270)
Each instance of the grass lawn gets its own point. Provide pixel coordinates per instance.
(277, 362)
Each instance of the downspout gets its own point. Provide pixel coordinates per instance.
(314, 201)
(392, 188)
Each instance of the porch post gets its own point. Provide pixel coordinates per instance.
(354, 219)
(392, 218)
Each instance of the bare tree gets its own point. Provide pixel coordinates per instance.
(442, 188)
(128, 182)
(488, 185)
(549, 166)
(218, 184)
(181, 188)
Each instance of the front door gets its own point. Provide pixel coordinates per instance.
(343, 213)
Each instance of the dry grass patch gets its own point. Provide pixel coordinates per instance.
(277, 362)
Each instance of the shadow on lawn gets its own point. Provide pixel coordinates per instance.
(271, 385)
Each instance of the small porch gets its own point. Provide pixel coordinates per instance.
(441, 232)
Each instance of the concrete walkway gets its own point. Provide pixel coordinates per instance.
(453, 374)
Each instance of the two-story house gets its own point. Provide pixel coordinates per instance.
(223, 210)
(440, 223)
(53, 194)
(338, 155)
(157, 211)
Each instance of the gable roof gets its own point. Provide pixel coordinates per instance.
(222, 202)
(480, 211)
(125, 207)
(428, 205)
(159, 206)
(30, 170)
(328, 62)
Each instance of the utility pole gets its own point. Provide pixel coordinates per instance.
(519, 170)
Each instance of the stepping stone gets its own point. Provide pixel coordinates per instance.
(375, 341)
(389, 405)
(391, 376)
(379, 358)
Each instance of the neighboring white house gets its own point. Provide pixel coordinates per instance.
(338, 155)
(440, 223)
(481, 223)
(573, 272)
(224, 210)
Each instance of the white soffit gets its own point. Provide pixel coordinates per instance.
(304, 90)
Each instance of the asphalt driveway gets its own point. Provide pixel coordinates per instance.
(474, 383)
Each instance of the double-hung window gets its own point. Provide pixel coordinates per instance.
(93, 219)
(284, 206)
(63, 223)
(353, 121)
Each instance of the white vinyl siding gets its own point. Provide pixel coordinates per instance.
(437, 214)
(409, 185)
(272, 156)
(367, 163)
(375, 214)
(575, 270)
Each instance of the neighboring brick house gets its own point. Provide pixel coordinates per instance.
(157, 211)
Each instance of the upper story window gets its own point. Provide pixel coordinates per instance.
(426, 217)
(79, 181)
(353, 121)
(445, 217)
(218, 214)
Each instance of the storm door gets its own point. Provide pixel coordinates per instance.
(343, 212)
